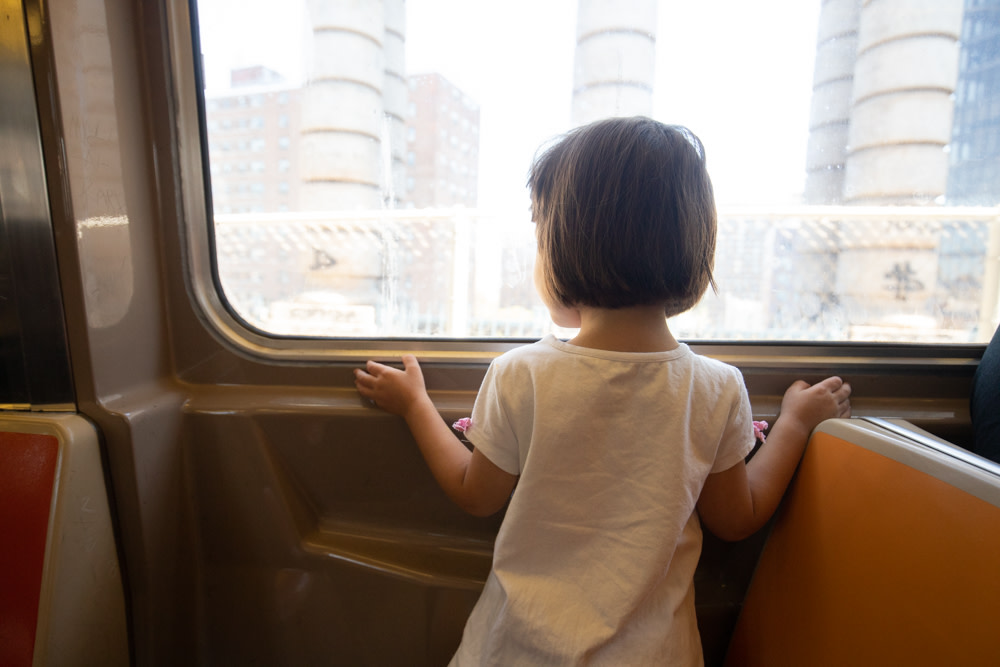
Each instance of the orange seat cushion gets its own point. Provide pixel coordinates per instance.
(872, 562)
(27, 475)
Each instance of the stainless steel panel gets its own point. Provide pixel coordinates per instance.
(33, 349)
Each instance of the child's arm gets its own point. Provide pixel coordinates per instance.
(737, 502)
(470, 479)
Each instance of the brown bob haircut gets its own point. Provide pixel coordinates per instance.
(625, 216)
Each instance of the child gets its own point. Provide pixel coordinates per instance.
(616, 437)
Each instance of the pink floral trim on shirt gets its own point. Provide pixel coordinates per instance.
(758, 430)
(462, 425)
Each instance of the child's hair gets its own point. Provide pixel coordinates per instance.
(625, 216)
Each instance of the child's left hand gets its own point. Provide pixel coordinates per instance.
(391, 389)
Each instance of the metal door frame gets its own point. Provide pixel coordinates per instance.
(34, 354)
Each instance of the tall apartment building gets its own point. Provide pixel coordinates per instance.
(975, 132)
(442, 144)
(253, 143)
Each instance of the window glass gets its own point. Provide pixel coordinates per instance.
(368, 159)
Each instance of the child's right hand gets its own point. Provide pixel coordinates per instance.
(391, 389)
(804, 407)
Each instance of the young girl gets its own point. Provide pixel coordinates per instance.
(615, 438)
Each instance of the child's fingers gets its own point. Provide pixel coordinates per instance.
(840, 391)
(843, 393)
(844, 401)
(374, 368)
(831, 384)
(363, 381)
(366, 393)
(835, 386)
(368, 378)
(796, 387)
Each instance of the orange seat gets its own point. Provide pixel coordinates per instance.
(884, 553)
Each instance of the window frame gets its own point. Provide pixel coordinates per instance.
(205, 291)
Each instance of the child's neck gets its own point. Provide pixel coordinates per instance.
(635, 329)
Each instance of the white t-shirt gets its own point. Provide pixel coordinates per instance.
(594, 563)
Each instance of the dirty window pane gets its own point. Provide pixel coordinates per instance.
(368, 159)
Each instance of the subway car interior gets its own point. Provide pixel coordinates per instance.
(213, 211)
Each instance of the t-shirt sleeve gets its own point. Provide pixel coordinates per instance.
(738, 438)
(490, 430)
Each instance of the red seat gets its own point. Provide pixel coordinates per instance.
(28, 464)
(61, 594)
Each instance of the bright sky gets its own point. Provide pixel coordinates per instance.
(738, 73)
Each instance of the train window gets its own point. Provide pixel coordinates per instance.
(368, 159)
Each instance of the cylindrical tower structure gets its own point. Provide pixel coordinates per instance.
(904, 77)
(342, 111)
(394, 99)
(829, 117)
(615, 59)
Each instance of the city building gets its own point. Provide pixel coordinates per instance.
(308, 266)
(253, 130)
(442, 144)
(975, 132)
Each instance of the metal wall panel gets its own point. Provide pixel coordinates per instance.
(34, 358)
